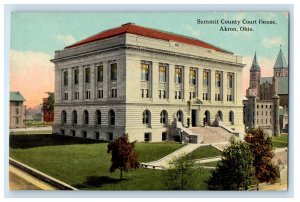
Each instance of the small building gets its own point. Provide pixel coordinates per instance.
(16, 110)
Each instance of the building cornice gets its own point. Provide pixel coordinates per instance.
(144, 49)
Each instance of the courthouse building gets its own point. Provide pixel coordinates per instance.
(136, 80)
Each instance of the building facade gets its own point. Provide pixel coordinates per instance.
(16, 110)
(135, 80)
(267, 97)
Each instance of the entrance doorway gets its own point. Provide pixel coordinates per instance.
(194, 118)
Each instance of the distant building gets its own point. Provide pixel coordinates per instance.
(266, 105)
(17, 110)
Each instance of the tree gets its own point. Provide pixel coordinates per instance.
(261, 147)
(124, 156)
(235, 171)
(182, 174)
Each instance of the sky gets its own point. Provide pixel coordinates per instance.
(36, 36)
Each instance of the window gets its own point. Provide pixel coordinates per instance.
(111, 116)
(87, 94)
(62, 131)
(17, 120)
(84, 134)
(74, 117)
(220, 115)
(110, 136)
(178, 75)
(193, 77)
(163, 117)
(17, 104)
(205, 78)
(218, 80)
(144, 93)
(146, 117)
(147, 137)
(65, 78)
(73, 133)
(17, 111)
(100, 93)
(205, 96)
(87, 75)
(229, 97)
(164, 136)
(76, 76)
(97, 135)
(177, 94)
(145, 72)
(231, 117)
(76, 95)
(179, 115)
(229, 81)
(192, 95)
(66, 96)
(114, 92)
(218, 97)
(162, 74)
(63, 117)
(98, 117)
(162, 94)
(113, 71)
(100, 73)
(86, 117)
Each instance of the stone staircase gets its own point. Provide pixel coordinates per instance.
(212, 135)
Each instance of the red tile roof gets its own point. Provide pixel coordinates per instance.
(148, 32)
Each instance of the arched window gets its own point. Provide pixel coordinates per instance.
(206, 120)
(231, 117)
(98, 117)
(163, 117)
(146, 117)
(179, 115)
(111, 116)
(63, 117)
(74, 117)
(85, 117)
(220, 114)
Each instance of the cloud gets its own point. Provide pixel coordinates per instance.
(266, 68)
(32, 74)
(275, 41)
(66, 39)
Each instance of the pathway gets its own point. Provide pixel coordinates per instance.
(20, 180)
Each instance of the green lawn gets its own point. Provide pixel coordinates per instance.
(281, 141)
(205, 152)
(210, 164)
(85, 164)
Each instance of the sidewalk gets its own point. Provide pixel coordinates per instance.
(46, 128)
(28, 182)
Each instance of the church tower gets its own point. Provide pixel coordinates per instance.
(281, 67)
(253, 89)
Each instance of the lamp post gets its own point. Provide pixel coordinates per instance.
(181, 136)
(25, 117)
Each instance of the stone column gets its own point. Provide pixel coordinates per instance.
(170, 78)
(200, 84)
(224, 86)
(70, 85)
(93, 78)
(81, 83)
(57, 85)
(186, 83)
(212, 86)
(106, 79)
(154, 80)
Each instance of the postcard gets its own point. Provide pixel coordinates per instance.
(149, 101)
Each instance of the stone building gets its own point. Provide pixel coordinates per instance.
(132, 79)
(16, 110)
(266, 97)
